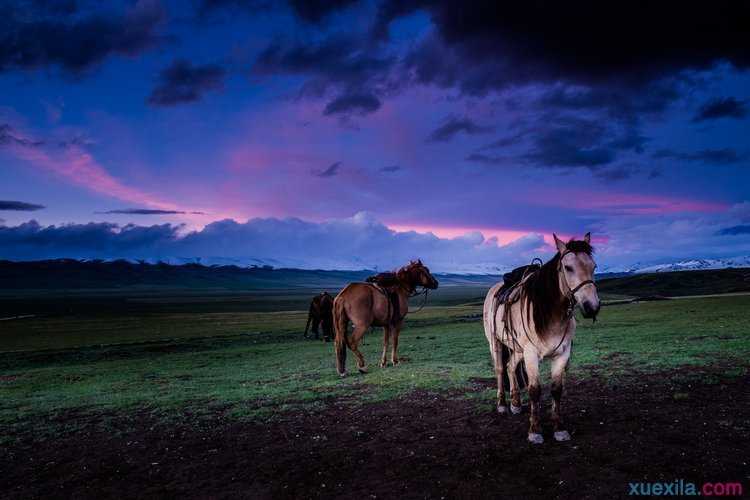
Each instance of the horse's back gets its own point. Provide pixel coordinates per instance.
(354, 296)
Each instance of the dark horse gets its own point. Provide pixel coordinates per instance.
(321, 314)
(386, 305)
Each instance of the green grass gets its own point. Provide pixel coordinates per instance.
(256, 364)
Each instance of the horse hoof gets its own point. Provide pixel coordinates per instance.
(515, 410)
(363, 369)
(562, 436)
(342, 374)
(535, 438)
(502, 409)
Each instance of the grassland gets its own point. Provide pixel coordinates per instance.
(256, 363)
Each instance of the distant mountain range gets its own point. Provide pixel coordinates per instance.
(75, 274)
(684, 265)
(481, 268)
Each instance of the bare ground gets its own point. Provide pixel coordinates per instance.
(425, 445)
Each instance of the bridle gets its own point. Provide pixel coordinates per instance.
(414, 292)
(571, 293)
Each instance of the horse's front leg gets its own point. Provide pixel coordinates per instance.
(559, 367)
(515, 388)
(531, 360)
(498, 362)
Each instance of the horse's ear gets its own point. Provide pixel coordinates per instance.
(559, 243)
(587, 238)
(419, 261)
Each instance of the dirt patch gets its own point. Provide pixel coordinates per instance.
(426, 445)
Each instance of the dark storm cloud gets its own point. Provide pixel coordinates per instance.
(727, 107)
(562, 141)
(35, 35)
(489, 45)
(619, 102)
(331, 171)
(335, 60)
(182, 82)
(10, 137)
(148, 211)
(721, 156)
(567, 148)
(315, 11)
(19, 206)
(209, 6)
(570, 142)
(453, 126)
(358, 74)
(353, 103)
(309, 11)
(735, 230)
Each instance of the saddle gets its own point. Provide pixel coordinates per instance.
(385, 280)
(513, 278)
(387, 283)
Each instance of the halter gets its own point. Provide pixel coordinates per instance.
(512, 297)
(571, 293)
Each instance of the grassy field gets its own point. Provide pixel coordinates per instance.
(252, 364)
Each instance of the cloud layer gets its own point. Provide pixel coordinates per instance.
(19, 206)
(362, 242)
(37, 35)
(183, 82)
(359, 242)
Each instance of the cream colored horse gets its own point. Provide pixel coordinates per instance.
(536, 321)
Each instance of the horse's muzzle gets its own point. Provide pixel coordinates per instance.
(433, 285)
(590, 310)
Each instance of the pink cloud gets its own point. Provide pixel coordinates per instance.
(627, 203)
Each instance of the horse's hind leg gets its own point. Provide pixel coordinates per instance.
(340, 324)
(395, 331)
(356, 337)
(386, 337)
(559, 366)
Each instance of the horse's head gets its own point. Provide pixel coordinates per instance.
(420, 275)
(576, 270)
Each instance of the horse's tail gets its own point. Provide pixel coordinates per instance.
(340, 323)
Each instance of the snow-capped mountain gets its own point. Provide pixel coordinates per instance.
(697, 264)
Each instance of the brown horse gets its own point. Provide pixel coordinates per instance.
(366, 304)
(534, 320)
(321, 314)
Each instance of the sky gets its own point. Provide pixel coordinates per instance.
(360, 134)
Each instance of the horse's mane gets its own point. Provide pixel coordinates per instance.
(542, 289)
(404, 274)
